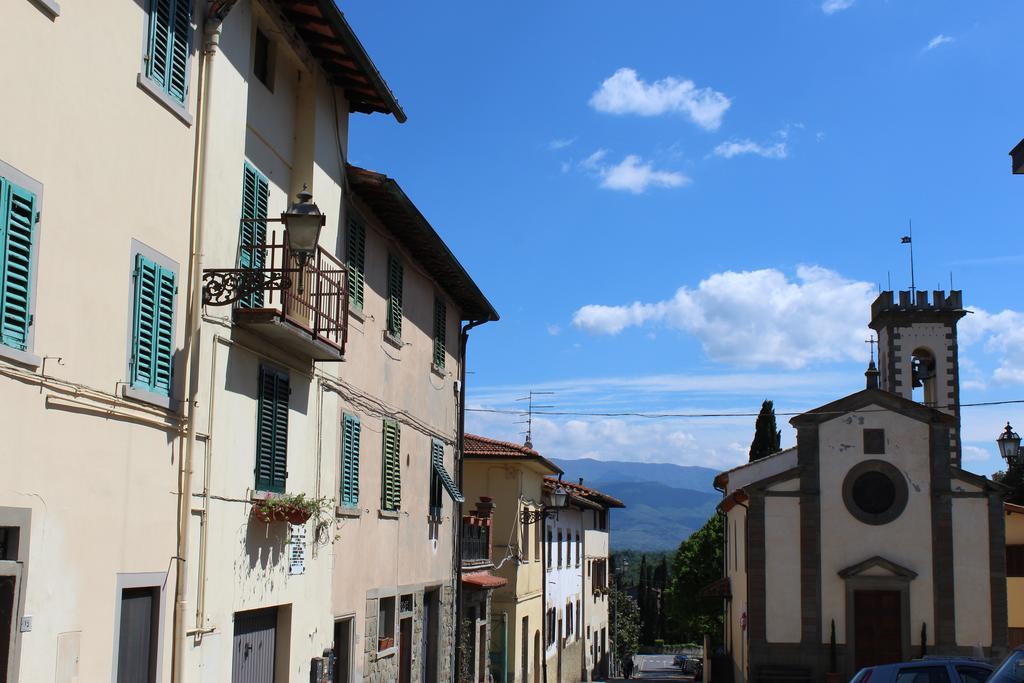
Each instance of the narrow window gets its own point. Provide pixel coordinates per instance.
(272, 431)
(436, 460)
(253, 230)
(440, 325)
(525, 548)
(137, 639)
(152, 352)
(349, 491)
(1015, 560)
(386, 624)
(391, 475)
(395, 277)
(263, 60)
(356, 259)
(167, 48)
(18, 227)
(559, 548)
(578, 548)
(874, 441)
(550, 548)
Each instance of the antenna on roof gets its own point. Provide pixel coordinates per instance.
(529, 413)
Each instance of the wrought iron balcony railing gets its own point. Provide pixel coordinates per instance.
(307, 313)
(476, 542)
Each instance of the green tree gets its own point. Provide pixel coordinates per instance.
(697, 563)
(625, 625)
(1014, 478)
(767, 437)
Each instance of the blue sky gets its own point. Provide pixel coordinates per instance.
(688, 206)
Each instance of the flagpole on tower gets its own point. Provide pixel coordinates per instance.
(909, 239)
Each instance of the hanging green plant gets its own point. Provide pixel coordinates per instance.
(295, 508)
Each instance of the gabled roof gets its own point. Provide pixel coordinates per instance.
(324, 30)
(401, 217)
(867, 397)
(877, 561)
(475, 446)
(584, 492)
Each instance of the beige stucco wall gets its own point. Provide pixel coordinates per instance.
(782, 569)
(902, 540)
(98, 478)
(514, 486)
(736, 563)
(973, 595)
(1015, 584)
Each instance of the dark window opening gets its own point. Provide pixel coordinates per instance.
(874, 441)
(262, 66)
(137, 640)
(874, 492)
(1015, 560)
(9, 543)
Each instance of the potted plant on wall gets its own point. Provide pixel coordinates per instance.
(294, 508)
(385, 643)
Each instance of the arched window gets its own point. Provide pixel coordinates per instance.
(922, 365)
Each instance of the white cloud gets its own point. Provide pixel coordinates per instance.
(734, 148)
(554, 330)
(624, 93)
(560, 143)
(938, 40)
(1001, 334)
(756, 318)
(632, 174)
(833, 6)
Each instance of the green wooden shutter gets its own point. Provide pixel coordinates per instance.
(356, 254)
(255, 194)
(436, 460)
(170, 32)
(440, 332)
(391, 474)
(395, 276)
(17, 234)
(272, 431)
(349, 492)
(152, 357)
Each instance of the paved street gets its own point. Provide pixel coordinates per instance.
(657, 668)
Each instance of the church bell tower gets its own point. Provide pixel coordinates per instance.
(917, 349)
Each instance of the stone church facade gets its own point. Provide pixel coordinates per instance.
(868, 532)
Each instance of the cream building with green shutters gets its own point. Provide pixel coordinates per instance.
(145, 434)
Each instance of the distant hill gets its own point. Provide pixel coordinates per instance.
(664, 503)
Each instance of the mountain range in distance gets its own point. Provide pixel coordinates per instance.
(665, 503)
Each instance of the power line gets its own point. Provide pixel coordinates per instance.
(657, 416)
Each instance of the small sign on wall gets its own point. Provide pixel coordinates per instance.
(297, 549)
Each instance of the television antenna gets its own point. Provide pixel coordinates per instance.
(529, 413)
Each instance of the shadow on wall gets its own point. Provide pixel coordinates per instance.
(265, 545)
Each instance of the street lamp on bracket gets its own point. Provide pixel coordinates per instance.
(1009, 446)
(302, 224)
(559, 500)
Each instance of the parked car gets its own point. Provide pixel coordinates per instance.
(1012, 668)
(930, 670)
(679, 660)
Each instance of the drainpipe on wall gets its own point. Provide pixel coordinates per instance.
(457, 517)
(212, 31)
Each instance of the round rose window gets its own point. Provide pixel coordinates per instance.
(875, 492)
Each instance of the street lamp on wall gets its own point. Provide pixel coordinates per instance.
(302, 224)
(559, 500)
(1009, 446)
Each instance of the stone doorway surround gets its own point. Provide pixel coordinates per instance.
(876, 574)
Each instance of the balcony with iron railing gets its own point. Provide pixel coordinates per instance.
(476, 542)
(302, 311)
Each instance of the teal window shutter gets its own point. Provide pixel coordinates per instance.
(272, 430)
(436, 460)
(440, 332)
(349, 491)
(152, 357)
(167, 55)
(395, 277)
(253, 235)
(18, 226)
(391, 475)
(356, 255)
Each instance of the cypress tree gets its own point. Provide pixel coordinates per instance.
(767, 437)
